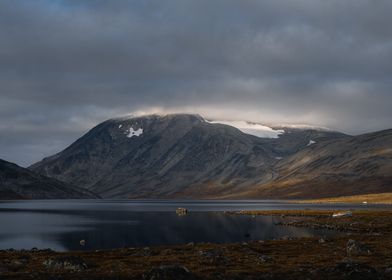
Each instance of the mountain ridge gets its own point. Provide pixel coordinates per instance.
(183, 155)
(20, 183)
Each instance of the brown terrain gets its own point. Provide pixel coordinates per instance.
(377, 198)
(363, 250)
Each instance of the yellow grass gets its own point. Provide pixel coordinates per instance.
(378, 198)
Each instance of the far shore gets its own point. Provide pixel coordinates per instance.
(379, 198)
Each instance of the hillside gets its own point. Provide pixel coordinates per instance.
(176, 155)
(340, 167)
(20, 183)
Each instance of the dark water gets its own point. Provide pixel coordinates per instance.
(105, 224)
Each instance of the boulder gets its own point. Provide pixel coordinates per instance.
(354, 270)
(69, 263)
(354, 247)
(265, 259)
(181, 211)
(169, 272)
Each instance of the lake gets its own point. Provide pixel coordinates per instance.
(107, 224)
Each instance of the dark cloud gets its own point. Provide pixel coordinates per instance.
(66, 65)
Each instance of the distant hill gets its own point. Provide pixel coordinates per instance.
(20, 183)
(339, 167)
(182, 155)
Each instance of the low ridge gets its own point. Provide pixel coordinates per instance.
(20, 183)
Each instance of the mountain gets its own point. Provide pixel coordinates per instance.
(345, 166)
(20, 183)
(177, 155)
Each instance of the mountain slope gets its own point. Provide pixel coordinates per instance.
(20, 183)
(167, 154)
(345, 166)
(173, 155)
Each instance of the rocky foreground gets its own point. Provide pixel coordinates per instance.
(362, 251)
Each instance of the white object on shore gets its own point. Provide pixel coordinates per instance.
(342, 214)
(365, 202)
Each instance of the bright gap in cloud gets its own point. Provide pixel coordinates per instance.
(253, 128)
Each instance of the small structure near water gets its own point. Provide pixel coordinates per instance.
(181, 211)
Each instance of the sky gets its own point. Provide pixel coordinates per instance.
(65, 66)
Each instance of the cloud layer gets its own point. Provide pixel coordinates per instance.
(67, 65)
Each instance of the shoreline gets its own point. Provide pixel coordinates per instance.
(364, 249)
(364, 199)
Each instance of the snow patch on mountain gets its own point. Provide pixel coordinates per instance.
(311, 142)
(255, 129)
(131, 132)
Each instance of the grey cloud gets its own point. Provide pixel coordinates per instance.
(66, 65)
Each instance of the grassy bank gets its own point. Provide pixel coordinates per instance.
(379, 198)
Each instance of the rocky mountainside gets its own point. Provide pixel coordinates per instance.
(176, 155)
(20, 183)
(345, 166)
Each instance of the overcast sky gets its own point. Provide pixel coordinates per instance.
(67, 65)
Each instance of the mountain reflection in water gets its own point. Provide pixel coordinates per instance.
(60, 225)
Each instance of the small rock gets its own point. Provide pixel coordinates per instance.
(65, 263)
(21, 261)
(213, 257)
(166, 252)
(265, 259)
(354, 247)
(145, 252)
(3, 268)
(47, 250)
(355, 270)
(169, 272)
(181, 211)
(321, 240)
(388, 270)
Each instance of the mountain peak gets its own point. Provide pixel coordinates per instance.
(160, 116)
(160, 155)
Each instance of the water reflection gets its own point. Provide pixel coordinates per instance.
(60, 225)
